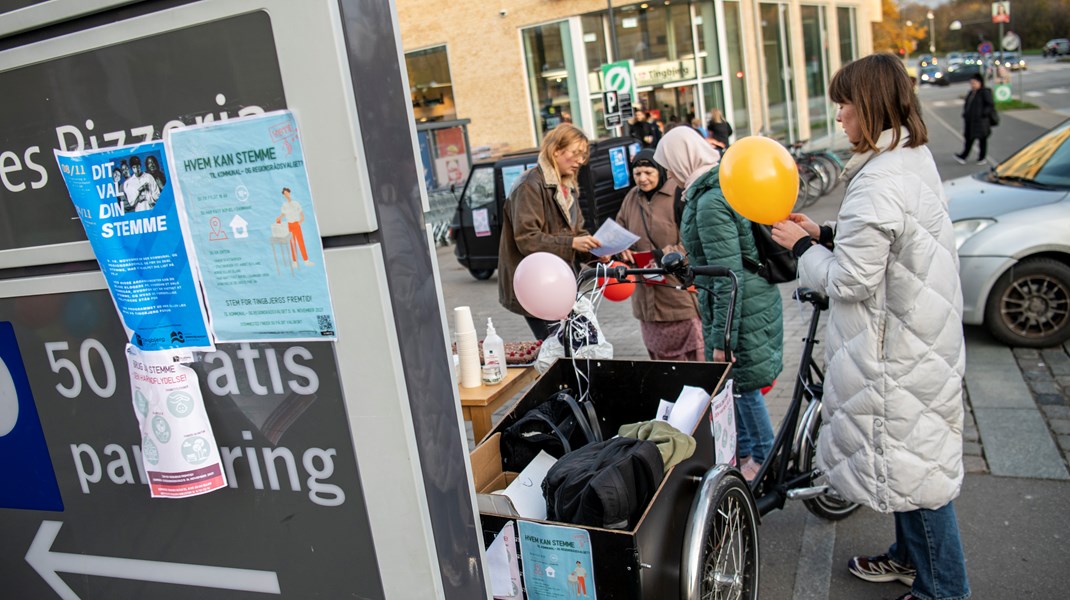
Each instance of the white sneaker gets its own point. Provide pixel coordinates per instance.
(960, 159)
(308, 263)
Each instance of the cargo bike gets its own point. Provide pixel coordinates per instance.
(698, 537)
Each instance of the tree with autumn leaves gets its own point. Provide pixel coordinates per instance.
(892, 34)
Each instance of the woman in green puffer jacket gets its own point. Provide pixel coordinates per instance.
(714, 234)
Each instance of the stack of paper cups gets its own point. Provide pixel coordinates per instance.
(467, 347)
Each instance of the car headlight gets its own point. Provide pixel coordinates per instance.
(964, 230)
(938, 75)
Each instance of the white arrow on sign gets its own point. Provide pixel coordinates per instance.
(49, 564)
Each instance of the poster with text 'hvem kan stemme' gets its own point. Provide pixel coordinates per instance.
(126, 202)
(248, 205)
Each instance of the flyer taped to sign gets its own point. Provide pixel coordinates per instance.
(246, 200)
(178, 448)
(126, 202)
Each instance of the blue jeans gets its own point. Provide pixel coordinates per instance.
(929, 540)
(754, 429)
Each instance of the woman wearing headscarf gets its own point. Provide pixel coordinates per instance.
(894, 351)
(714, 234)
(668, 317)
(542, 214)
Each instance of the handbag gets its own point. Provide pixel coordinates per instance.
(993, 117)
(558, 425)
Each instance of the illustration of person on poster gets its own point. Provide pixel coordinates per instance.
(260, 256)
(557, 562)
(132, 224)
(294, 216)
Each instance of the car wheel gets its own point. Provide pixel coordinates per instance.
(1030, 304)
(481, 274)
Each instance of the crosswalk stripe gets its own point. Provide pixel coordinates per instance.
(1034, 94)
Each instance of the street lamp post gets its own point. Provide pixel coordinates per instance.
(932, 34)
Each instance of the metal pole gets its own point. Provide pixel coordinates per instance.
(613, 34)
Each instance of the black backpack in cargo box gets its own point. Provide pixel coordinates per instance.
(477, 223)
(608, 484)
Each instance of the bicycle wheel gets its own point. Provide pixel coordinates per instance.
(814, 182)
(721, 559)
(828, 169)
(832, 508)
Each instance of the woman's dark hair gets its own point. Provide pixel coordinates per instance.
(978, 77)
(883, 98)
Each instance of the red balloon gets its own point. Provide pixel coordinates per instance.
(617, 291)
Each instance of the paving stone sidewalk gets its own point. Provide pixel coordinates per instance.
(1047, 373)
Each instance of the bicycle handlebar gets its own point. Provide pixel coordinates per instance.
(674, 264)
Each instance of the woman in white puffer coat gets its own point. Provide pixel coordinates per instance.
(892, 437)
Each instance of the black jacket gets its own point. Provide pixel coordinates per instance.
(977, 112)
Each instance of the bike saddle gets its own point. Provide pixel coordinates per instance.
(821, 301)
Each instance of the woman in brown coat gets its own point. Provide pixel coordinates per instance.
(542, 214)
(668, 317)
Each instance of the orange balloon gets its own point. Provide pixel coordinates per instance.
(760, 179)
(616, 290)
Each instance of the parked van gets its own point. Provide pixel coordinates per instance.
(477, 222)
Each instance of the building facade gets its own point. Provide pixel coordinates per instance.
(516, 68)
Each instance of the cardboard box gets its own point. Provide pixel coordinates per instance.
(487, 475)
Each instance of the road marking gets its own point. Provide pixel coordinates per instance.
(1034, 94)
(48, 564)
(1058, 90)
(940, 103)
(814, 570)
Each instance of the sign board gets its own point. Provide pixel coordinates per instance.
(1011, 42)
(619, 76)
(1002, 92)
(221, 80)
(624, 100)
(985, 47)
(1001, 12)
(279, 416)
(611, 108)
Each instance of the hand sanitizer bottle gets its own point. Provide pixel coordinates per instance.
(493, 356)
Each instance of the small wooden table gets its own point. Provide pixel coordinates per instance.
(478, 404)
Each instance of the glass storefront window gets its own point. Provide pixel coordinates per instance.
(706, 37)
(431, 86)
(740, 117)
(594, 42)
(845, 18)
(548, 57)
(776, 43)
(815, 48)
(659, 39)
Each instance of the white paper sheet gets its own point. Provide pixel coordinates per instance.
(613, 238)
(526, 490)
(664, 410)
(503, 566)
(688, 409)
(724, 426)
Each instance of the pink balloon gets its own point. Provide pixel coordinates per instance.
(545, 286)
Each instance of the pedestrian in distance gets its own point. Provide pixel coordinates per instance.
(977, 114)
(894, 350)
(715, 234)
(718, 130)
(542, 214)
(668, 317)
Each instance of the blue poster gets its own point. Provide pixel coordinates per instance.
(557, 562)
(618, 161)
(248, 207)
(126, 201)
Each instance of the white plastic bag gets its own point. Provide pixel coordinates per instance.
(584, 335)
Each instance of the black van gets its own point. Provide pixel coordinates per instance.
(476, 228)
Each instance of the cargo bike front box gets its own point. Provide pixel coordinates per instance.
(644, 562)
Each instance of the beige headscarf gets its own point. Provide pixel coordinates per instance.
(684, 153)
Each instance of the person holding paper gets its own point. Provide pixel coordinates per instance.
(715, 234)
(668, 317)
(542, 214)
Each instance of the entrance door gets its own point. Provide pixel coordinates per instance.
(672, 105)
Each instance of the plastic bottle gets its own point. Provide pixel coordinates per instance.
(493, 356)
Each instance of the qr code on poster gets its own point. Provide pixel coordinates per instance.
(326, 324)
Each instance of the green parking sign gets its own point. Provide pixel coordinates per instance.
(618, 76)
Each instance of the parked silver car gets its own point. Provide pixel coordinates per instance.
(1012, 229)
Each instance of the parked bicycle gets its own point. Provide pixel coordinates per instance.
(819, 170)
